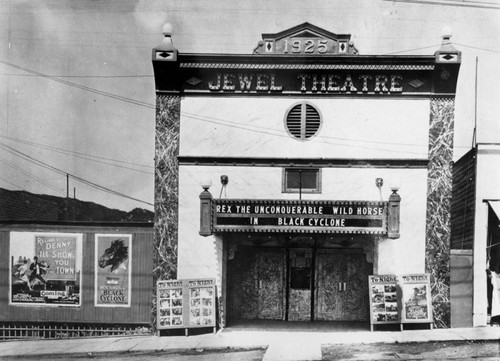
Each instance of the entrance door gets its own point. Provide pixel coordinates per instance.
(342, 287)
(300, 271)
(255, 284)
(329, 286)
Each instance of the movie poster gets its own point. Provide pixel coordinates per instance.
(113, 254)
(416, 300)
(45, 268)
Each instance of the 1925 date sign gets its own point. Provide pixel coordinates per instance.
(231, 215)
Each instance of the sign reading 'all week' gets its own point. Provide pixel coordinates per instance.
(335, 217)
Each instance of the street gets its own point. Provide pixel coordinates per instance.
(452, 350)
(196, 355)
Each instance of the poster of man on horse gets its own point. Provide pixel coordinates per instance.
(45, 268)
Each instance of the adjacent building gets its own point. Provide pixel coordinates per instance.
(475, 240)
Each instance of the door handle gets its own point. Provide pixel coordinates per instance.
(340, 286)
(345, 286)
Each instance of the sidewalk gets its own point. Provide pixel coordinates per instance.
(281, 345)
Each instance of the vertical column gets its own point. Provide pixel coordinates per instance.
(166, 190)
(439, 186)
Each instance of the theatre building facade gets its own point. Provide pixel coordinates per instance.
(293, 173)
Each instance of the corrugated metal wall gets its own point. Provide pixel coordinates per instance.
(141, 288)
(463, 202)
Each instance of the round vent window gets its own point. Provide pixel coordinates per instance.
(303, 121)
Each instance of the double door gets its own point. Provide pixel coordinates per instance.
(298, 285)
(256, 284)
(342, 287)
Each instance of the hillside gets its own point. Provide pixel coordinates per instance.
(22, 205)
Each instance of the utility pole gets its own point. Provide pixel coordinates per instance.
(74, 203)
(67, 196)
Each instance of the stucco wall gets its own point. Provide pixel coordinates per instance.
(198, 255)
(352, 128)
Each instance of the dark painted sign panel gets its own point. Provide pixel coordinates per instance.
(299, 216)
(326, 82)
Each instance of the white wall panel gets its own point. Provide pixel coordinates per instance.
(352, 128)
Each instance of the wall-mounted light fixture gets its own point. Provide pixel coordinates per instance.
(206, 184)
(206, 208)
(224, 180)
(393, 213)
(379, 182)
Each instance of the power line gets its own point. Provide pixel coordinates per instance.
(42, 42)
(57, 170)
(86, 156)
(82, 76)
(415, 49)
(282, 134)
(462, 3)
(13, 184)
(19, 169)
(82, 87)
(144, 104)
(477, 48)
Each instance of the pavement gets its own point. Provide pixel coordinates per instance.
(291, 344)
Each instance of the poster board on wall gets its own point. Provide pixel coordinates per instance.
(113, 268)
(186, 304)
(384, 305)
(416, 303)
(45, 268)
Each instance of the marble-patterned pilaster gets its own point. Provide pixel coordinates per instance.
(439, 187)
(166, 190)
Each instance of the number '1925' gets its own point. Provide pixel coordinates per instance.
(308, 46)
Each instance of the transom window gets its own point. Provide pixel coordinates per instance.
(303, 121)
(304, 180)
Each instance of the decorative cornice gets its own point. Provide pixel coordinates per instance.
(302, 162)
(286, 202)
(304, 66)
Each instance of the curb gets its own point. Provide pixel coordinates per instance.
(167, 351)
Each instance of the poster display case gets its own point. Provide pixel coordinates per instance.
(416, 299)
(400, 299)
(384, 305)
(186, 304)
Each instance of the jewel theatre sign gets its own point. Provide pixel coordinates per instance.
(339, 83)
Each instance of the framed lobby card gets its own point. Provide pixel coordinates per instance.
(416, 299)
(384, 305)
(170, 304)
(186, 303)
(202, 303)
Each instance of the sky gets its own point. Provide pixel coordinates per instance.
(77, 94)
